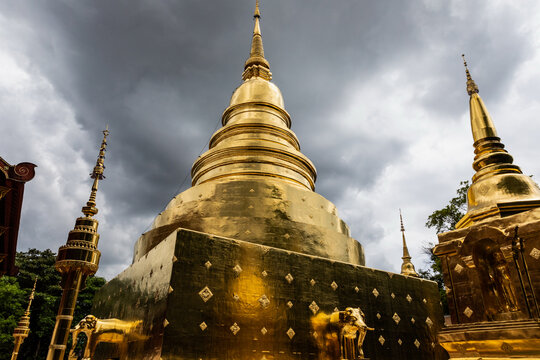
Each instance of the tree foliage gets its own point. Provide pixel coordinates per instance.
(38, 263)
(444, 220)
(11, 308)
(434, 273)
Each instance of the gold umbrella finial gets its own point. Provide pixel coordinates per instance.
(401, 221)
(472, 88)
(97, 174)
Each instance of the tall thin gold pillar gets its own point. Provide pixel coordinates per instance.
(23, 327)
(76, 260)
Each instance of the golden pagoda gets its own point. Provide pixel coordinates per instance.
(252, 263)
(22, 330)
(253, 183)
(491, 261)
(498, 188)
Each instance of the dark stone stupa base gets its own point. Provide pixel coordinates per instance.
(207, 297)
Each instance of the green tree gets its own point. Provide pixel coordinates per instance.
(12, 308)
(39, 263)
(444, 220)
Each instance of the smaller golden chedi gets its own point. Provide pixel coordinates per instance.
(22, 330)
(407, 267)
(499, 188)
(491, 262)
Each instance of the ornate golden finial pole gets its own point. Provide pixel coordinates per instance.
(471, 85)
(76, 260)
(407, 268)
(256, 65)
(23, 327)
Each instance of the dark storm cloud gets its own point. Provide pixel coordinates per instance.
(160, 73)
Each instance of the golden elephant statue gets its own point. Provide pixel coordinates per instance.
(108, 331)
(340, 335)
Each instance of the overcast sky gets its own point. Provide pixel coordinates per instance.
(375, 89)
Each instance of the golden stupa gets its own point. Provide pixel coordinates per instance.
(253, 183)
(490, 262)
(499, 187)
(251, 263)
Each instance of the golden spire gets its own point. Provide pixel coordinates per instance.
(481, 123)
(27, 312)
(498, 186)
(77, 259)
(97, 174)
(256, 64)
(471, 85)
(23, 327)
(407, 267)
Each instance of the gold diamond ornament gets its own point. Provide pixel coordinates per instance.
(290, 333)
(290, 304)
(264, 301)
(235, 328)
(314, 307)
(205, 294)
(289, 278)
(237, 269)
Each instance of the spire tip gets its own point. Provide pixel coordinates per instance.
(257, 11)
(97, 174)
(472, 88)
(256, 65)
